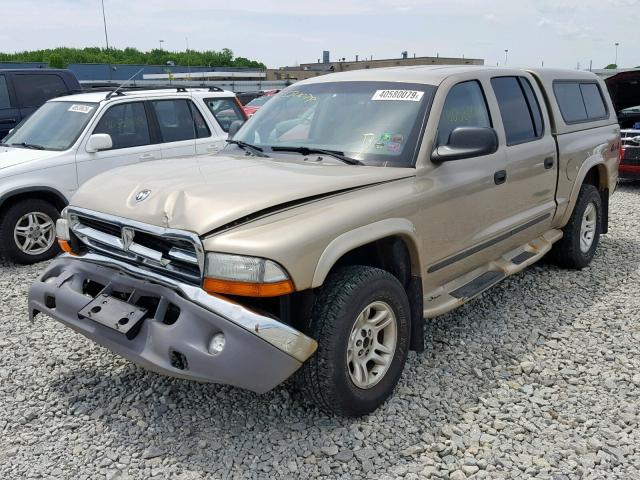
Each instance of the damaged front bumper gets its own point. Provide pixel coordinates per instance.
(173, 339)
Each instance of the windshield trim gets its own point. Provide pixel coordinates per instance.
(73, 143)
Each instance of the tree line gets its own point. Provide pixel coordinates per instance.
(61, 57)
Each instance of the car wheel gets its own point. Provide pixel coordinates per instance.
(361, 320)
(582, 234)
(28, 232)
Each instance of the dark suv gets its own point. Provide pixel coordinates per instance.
(23, 91)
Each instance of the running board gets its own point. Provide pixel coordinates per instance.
(468, 286)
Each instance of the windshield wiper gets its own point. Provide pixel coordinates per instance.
(308, 151)
(257, 151)
(33, 146)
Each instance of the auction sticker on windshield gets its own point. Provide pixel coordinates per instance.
(404, 95)
(80, 108)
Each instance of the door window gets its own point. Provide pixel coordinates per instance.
(176, 120)
(465, 106)
(127, 124)
(34, 90)
(519, 109)
(4, 93)
(225, 110)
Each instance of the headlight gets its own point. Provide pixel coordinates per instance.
(245, 276)
(62, 229)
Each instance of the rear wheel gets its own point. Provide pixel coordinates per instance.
(28, 232)
(582, 234)
(361, 320)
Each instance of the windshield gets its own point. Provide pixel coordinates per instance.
(54, 126)
(377, 123)
(258, 102)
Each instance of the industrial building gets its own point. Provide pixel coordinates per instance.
(324, 66)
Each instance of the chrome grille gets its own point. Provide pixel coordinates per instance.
(175, 253)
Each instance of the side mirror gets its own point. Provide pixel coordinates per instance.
(234, 127)
(99, 141)
(467, 142)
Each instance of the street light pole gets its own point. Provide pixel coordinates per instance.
(506, 54)
(616, 62)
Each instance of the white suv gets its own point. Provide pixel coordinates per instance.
(70, 139)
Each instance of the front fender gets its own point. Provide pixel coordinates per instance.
(361, 236)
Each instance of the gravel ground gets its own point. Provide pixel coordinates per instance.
(540, 377)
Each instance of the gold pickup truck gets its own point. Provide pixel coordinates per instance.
(346, 211)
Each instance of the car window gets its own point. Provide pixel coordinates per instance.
(34, 90)
(515, 109)
(4, 93)
(176, 121)
(464, 106)
(202, 130)
(127, 124)
(225, 110)
(580, 101)
(593, 101)
(534, 106)
(570, 101)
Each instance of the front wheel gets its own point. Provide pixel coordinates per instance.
(582, 234)
(28, 232)
(361, 320)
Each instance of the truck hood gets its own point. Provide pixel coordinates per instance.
(11, 157)
(202, 194)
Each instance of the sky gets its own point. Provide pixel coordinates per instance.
(560, 33)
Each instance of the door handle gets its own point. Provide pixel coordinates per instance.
(548, 163)
(500, 177)
(147, 156)
(213, 148)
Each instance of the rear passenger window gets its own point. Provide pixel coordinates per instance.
(127, 125)
(4, 93)
(225, 110)
(579, 101)
(176, 120)
(34, 90)
(464, 106)
(519, 109)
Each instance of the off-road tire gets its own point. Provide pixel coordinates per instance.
(8, 219)
(566, 252)
(324, 378)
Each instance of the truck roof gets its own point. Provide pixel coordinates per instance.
(435, 74)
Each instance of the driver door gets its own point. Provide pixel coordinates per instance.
(467, 202)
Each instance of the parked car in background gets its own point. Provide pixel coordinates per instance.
(254, 105)
(70, 139)
(401, 194)
(630, 153)
(624, 88)
(23, 91)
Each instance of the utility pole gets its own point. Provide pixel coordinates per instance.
(161, 42)
(616, 62)
(104, 21)
(106, 38)
(506, 56)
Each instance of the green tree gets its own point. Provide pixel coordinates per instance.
(611, 66)
(129, 55)
(56, 61)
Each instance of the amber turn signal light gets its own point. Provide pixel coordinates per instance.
(65, 246)
(245, 289)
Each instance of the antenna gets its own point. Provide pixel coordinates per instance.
(111, 94)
